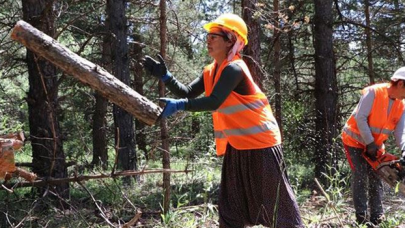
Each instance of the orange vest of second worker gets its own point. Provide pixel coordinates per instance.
(381, 123)
(246, 122)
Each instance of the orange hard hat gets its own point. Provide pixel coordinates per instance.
(232, 22)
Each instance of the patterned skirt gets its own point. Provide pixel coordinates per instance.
(255, 190)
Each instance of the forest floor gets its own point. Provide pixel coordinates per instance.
(109, 203)
(316, 212)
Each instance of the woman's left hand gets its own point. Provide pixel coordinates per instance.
(172, 106)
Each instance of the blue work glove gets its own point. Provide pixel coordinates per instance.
(371, 150)
(157, 68)
(172, 106)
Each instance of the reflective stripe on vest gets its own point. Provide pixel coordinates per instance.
(219, 135)
(380, 130)
(356, 136)
(246, 131)
(242, 107)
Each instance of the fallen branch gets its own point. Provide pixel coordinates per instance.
(52, 181)
(329, 202)
(21, 223)
(133, 220)
(7, 189)
(102, 214)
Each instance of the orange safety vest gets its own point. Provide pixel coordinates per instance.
(381, 124)
(245, 121)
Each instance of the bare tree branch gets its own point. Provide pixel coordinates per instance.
(54, 181)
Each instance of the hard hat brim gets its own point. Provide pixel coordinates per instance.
(211, 25)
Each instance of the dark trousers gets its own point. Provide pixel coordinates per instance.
(255, 190)
(366, 185)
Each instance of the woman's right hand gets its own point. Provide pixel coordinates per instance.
(157, 68)
(372, 150)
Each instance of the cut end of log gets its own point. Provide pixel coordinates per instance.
(17, 28)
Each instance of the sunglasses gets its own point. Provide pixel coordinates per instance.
(212, 35)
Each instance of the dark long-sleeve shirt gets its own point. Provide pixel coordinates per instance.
(232, 79)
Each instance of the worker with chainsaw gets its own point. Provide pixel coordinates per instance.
(379, 112)
(254, 185)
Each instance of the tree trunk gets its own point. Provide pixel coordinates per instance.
(370, 69)
(86, 72)
(45, 133)
(100, 155)
(252, 50)
(325, 87)
(398, 34)
(123, 121)
(276, 62)
(163, 124)
(140, 134)
(195, 126)
(100, 151)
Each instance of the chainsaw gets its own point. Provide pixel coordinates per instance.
(390, 168)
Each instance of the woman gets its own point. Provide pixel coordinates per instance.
(379, 112)
(254, 181)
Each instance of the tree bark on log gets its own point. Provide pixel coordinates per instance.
(86, 72)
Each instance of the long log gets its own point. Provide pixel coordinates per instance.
(86, 72)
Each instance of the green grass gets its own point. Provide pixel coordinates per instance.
(192, 204)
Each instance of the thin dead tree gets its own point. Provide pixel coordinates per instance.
(163, 124)
(370, 69)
